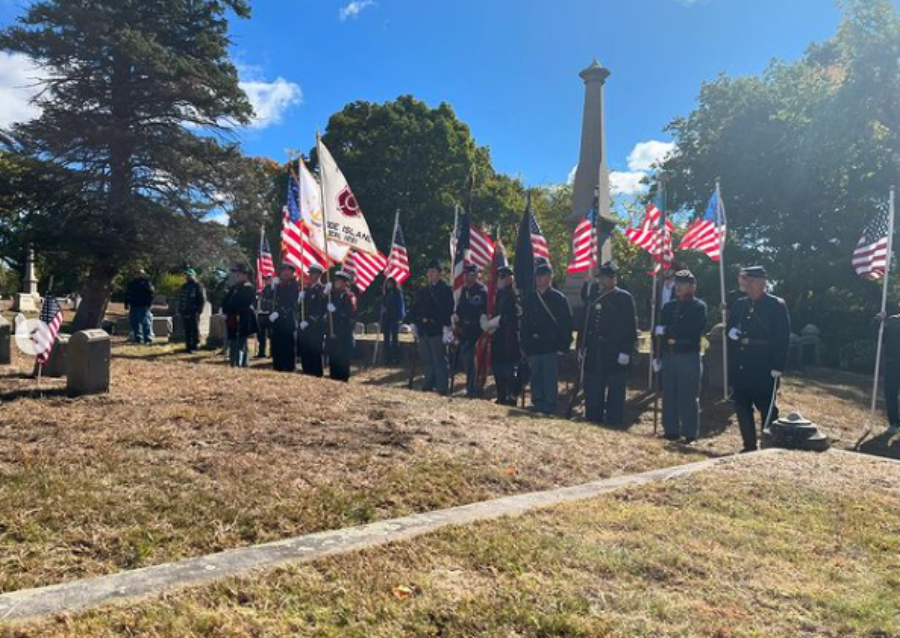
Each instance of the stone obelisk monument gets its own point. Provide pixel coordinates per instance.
(592, 175)
(28, 300)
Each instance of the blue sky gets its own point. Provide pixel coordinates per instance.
(508, 67)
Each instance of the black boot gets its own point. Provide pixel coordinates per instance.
(748, 426)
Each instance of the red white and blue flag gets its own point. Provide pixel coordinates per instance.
(585, 253)
(707, 233)
(45, 336)
(265, 267)
(462, 249)
(364, 267)
(297, 243)
(655, 236)
(398, 261)
(870, 259)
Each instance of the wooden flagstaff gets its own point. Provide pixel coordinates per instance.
(884, 296)
(721, 223)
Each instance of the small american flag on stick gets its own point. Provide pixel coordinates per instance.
(45, 336)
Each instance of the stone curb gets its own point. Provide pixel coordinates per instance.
(30, 604)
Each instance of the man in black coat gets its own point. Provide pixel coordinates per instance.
(284, 318)
(393, 309)
(138, 301)
(681, 327)
(545, 333)
(470, 307)
(240, 317)
(503, 326)
(759, 329)
(313, 323)
(342, 309)
(191, 300)
(431, 318)
(264, 300)
(608, 347)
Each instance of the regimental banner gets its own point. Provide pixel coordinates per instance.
(344, 221)
(311, 212)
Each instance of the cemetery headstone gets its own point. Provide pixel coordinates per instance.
(811, 340)
(713, 365)
(88, 363)
(162, 326)
(56, 364)
(218, 332)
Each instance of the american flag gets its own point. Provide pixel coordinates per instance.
(870, 258)
(584, 244)
(539, 245)
(398, 260)
(364, 267)
(707, 233)
(462, 250)
(483, 345)
(265, 267)
(297, 247)
(481, 247)
(655, 236)
(44, 337)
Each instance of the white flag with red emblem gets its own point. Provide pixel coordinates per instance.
(344, 221)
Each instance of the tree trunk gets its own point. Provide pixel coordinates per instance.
(94, 298)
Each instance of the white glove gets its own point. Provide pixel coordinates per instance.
(660, 331)
(493, 324)
(448, 335)
(414, 331)
(275, 281)
(483, 322)
(301, 296)
(624, 359)
(331, 307)
(328, 288)
(734, 334)
(776, 374)
(273, 317)
(304, 325)
(657, 365)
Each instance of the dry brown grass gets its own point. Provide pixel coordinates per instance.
(770, 547)
(187, 457)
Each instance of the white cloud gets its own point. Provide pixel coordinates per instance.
(271, 100)
(647, 155)
(18, 77)
(627, 183)
(353, 9)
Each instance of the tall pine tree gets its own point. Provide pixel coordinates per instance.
(137, 104)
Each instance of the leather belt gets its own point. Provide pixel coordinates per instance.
(744, 341)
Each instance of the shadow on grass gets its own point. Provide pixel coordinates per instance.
(31, 393)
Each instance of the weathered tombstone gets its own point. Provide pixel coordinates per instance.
(162, 326)
(161, 301)
(58, 361)
(218, 332)
(811, 340)
(5, 342)
(713, 364)
(178, 324)
(795, 353)
(87, 365)
(373, 329)
(205, 318)
(359, 329)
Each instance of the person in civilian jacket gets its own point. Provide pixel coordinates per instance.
(138, 300)
(681, 327)
(264, 300)
(608, 347)
(545, 333)
(240, 317)
(314, 325)
(342, 309)
(191, 300)
(759, 333)
(470, 308)
(284, 318)
(431, 318)
(503, 326)
(393, 309)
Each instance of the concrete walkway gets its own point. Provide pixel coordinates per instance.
(127, 586)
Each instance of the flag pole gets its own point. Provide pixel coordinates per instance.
(259, 278)
(884, 296)
(384, 287)
(720, 223)
(325, 234)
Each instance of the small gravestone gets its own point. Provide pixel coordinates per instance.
(162, 326)
(161, 301)
(218, 332)
(56, 364)
(359, 329)
(713, 362)
(811, 340)
(5, 342)
(205, 320)
(373, 329)
(87, 365)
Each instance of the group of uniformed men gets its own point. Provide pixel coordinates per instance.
(529, 334)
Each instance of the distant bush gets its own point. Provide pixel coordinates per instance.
(169, 284)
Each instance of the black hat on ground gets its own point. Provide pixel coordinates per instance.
(434, 264)
(685, 277)
(608, 269)
(754, 272)
(242, 268)
(543, 269)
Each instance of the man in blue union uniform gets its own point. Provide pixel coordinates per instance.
(759, 330)
(470, 307)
